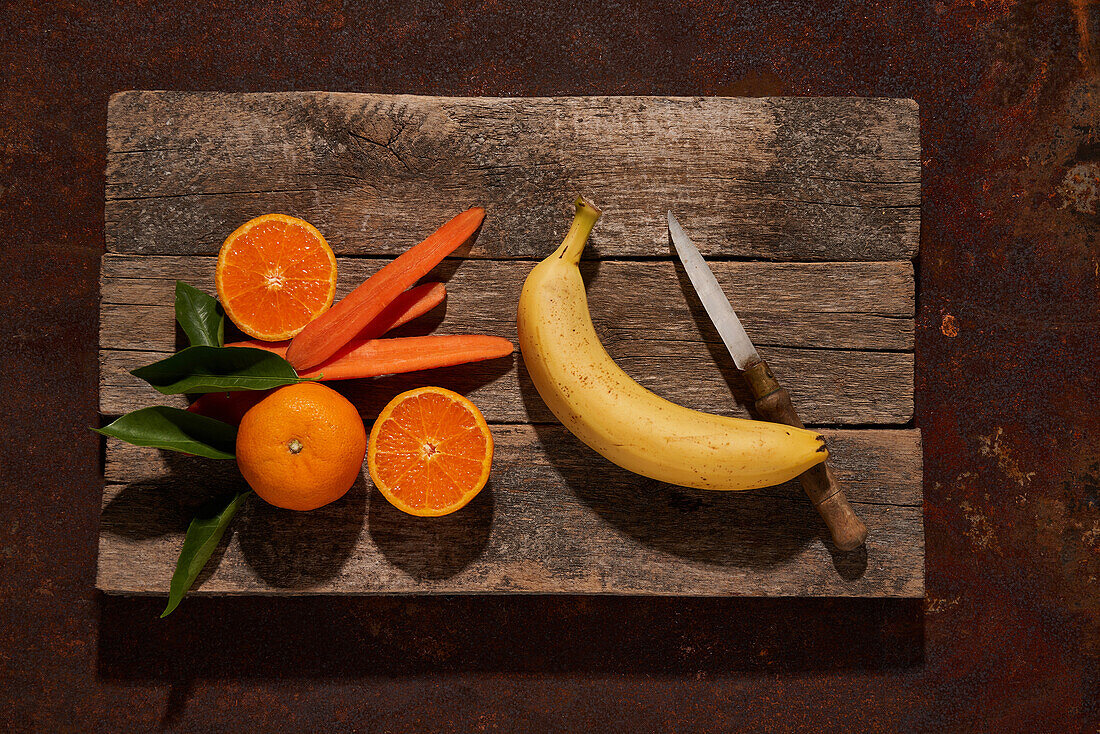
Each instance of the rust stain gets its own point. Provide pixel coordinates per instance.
(991, 446)
(1080, 9)
(981, 531)
(949, 327)
(1080, 188)
(1025, 109)
(1067, 527)
(1012, 638)
(939, 605)
(755, 84)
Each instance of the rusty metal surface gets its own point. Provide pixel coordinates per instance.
(1008, 337)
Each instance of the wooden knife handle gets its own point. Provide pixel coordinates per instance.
(774, 403)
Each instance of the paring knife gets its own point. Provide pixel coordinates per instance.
(772, 401)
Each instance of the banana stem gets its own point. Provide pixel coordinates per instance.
(577, 237)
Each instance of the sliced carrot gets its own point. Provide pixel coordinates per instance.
(376, 357)
(409, 354)
(409, 305)
(326, 334)
(230, 407)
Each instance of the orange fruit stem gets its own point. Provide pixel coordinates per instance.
(302, 446)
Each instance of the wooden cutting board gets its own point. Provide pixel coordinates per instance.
(808, 210)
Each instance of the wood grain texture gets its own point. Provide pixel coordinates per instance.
(836, 316)
(830, 387)
(823, 195)
(867, 306)
(774, 178)
(542, 525)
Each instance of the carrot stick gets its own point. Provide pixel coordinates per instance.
(409, 354)
(324, 336)
(230, 407)
(376, 357)
(408, 305)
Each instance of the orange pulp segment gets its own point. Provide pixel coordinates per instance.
(430, 451)
(275, 274)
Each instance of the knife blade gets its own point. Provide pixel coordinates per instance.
(713, 298)
(773, 401)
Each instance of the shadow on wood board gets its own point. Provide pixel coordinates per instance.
(297, 550)
(286, 549)
(431, 547)
(726, 528)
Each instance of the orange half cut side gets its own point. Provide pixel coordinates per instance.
(275, 274)
(430, 452)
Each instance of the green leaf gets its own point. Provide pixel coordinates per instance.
(203, 536)
(218, 369)
(177, 430)
(200, 315)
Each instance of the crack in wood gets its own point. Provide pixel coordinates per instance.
(389, 145)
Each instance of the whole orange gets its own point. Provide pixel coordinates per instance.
(302, 446)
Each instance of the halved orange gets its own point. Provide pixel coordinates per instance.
(430, 452)
(275, 274)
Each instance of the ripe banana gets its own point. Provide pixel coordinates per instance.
(625, 422)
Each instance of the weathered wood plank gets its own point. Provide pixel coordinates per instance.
(830, 305)
(641, 311)
(774, 178)
(829, 386)
(542, 525)
(784, 180)
(859, 458)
